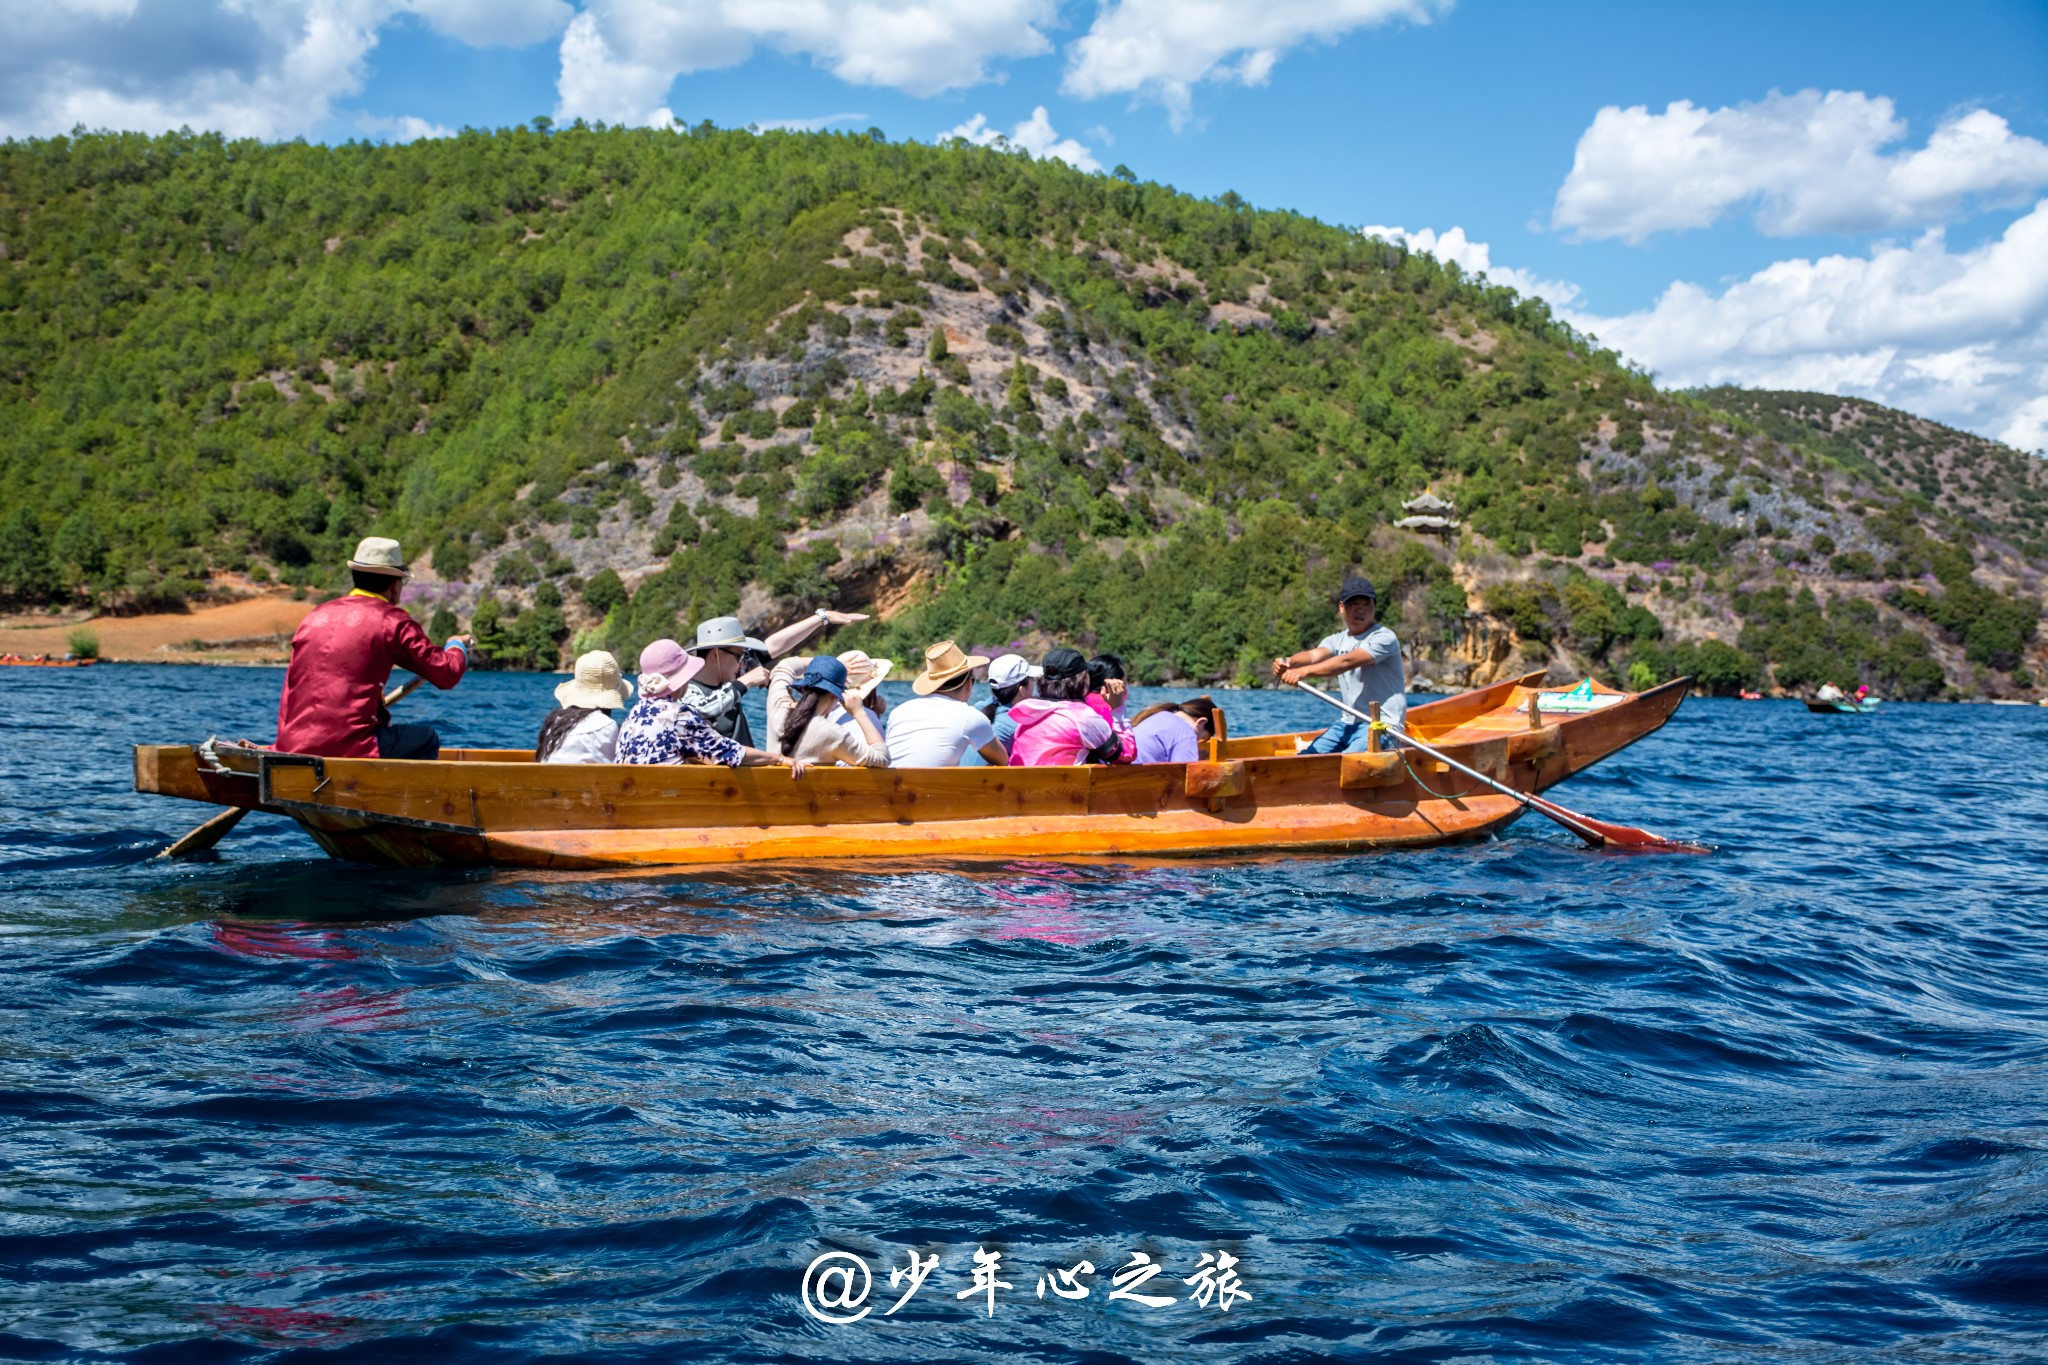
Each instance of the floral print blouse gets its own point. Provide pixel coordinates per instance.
(663, 730)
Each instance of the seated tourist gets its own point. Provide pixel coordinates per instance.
(863, 676)
(1173, 732)
(1011, 678)
(581, 729)
(732, 665)
(1058, 727)
(937, 728)
(806, 698)
(1107, 688)
(661, 729)
(1107, 693)
(342, 657)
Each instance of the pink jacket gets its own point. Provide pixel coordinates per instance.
(1054, 733)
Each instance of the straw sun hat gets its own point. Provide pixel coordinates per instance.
(944, 664)
(596, 682)
(863, 674)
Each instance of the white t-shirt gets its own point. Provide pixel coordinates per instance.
(594, 740)
(935, 732)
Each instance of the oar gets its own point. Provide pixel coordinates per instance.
(207, 835)
(1597, 833)
(213, 831)
(399, 694)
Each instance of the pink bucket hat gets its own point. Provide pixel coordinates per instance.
(666, 668)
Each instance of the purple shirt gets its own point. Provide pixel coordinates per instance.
(1166, 738)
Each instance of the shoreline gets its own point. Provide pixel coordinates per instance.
(250, 630)
(278, 662)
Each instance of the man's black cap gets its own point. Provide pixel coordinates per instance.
(1357, 587)
(1063, 663)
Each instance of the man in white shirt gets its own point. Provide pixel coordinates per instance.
(937, 728)
(1364, 658)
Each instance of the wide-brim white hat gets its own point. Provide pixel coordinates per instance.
(725, 632)
(597, 682)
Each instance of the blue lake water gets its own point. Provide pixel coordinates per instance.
(1511, 1101)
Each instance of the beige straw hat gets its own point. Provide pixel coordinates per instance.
(943, 666)
(863, 674)
(597, 682)
(379, 554)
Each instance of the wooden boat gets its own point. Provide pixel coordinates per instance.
(498, 807)
(47, 663)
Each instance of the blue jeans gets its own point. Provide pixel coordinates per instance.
(1347, 736)
(408, 741)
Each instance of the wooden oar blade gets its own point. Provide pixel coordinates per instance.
(1626, 837)
(207, 835)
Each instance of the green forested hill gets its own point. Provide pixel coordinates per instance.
(612, 377)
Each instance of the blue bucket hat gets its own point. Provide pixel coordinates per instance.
(826, 674)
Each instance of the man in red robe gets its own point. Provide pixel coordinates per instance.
(342, 657)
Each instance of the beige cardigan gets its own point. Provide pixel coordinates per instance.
(824, 741)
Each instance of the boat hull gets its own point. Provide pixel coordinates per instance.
(497, 807)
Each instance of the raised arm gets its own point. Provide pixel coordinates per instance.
(796, 632)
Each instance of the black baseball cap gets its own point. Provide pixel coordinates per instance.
(1064, 663)
(1357, 587)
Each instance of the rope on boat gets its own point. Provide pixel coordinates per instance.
(1394, 736)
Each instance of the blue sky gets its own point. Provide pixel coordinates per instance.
(1851, 197)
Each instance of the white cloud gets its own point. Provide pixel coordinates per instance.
(1476, 258)
(1961, 336)
(1810, 162)
(1160, 49)
(619, 57)
(1034, 135)
(248, 68)
(403, 128)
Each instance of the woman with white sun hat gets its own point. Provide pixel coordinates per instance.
(581, 728)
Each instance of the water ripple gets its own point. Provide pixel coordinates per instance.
(1508, 1101)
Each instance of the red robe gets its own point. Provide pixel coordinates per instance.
(342, 657)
